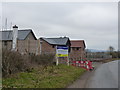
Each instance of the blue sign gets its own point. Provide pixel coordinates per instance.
(62, 51)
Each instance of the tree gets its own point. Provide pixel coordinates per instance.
(110, 50)
(113, 53)
(118, 54)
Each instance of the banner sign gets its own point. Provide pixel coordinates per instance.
(62, 51)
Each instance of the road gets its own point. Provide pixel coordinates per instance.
(105, 76)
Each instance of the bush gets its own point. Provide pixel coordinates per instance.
(43, 59)
(13, 62)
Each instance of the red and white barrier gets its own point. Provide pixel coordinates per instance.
(83, 64)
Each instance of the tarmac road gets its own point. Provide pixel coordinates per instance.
(105, 76)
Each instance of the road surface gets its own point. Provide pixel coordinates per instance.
(105, 76)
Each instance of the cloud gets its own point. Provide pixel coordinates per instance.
(96, 23)
(0, 15)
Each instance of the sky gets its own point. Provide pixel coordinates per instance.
(94, 22)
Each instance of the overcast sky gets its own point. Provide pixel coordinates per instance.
(94, 22)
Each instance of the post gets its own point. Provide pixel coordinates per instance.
(68, 60)
(56, 56)
(57, 61)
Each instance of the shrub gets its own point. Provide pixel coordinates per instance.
(44, 59)
(13, 62)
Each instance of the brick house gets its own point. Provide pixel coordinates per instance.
(77, 49)
(48, 45)
(26, 41)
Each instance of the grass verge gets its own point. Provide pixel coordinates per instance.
(109, 60)
(50, 77)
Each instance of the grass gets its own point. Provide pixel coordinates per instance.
(115, 58)
(109, 60)
(50, 77)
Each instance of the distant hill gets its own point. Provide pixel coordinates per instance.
(96, 50)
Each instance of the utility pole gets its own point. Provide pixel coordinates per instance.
(6, 24)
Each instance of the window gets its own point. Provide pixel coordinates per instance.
(53, 46)
(73, 48)
(5, 43)
(77, 48)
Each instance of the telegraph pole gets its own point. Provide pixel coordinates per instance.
(6, 24)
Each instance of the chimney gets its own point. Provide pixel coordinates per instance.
(15, 36)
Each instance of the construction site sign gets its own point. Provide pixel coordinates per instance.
(62, 51)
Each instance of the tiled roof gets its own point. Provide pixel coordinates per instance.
(77, 43)
(57, 41)
(22, 34)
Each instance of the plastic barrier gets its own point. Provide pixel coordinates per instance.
(83, 64)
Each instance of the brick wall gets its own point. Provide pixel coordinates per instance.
(7, 45)
(28, 46)
(30, 37)
(77, 53)
(23, 46)
(50, 49)
(46, 48)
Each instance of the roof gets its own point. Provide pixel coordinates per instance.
(77, 43)
(57, 41)
(22, 34)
